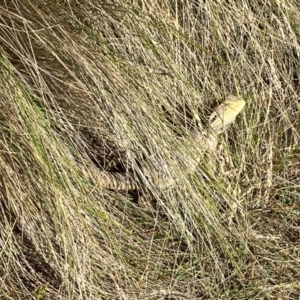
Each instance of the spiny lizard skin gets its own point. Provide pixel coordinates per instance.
(223, 115)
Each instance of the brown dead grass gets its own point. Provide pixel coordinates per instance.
(90, 83)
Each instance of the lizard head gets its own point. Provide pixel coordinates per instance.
(226, 113)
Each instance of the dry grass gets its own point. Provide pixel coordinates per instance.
(87, 83)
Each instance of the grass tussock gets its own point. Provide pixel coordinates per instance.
(119, 86)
